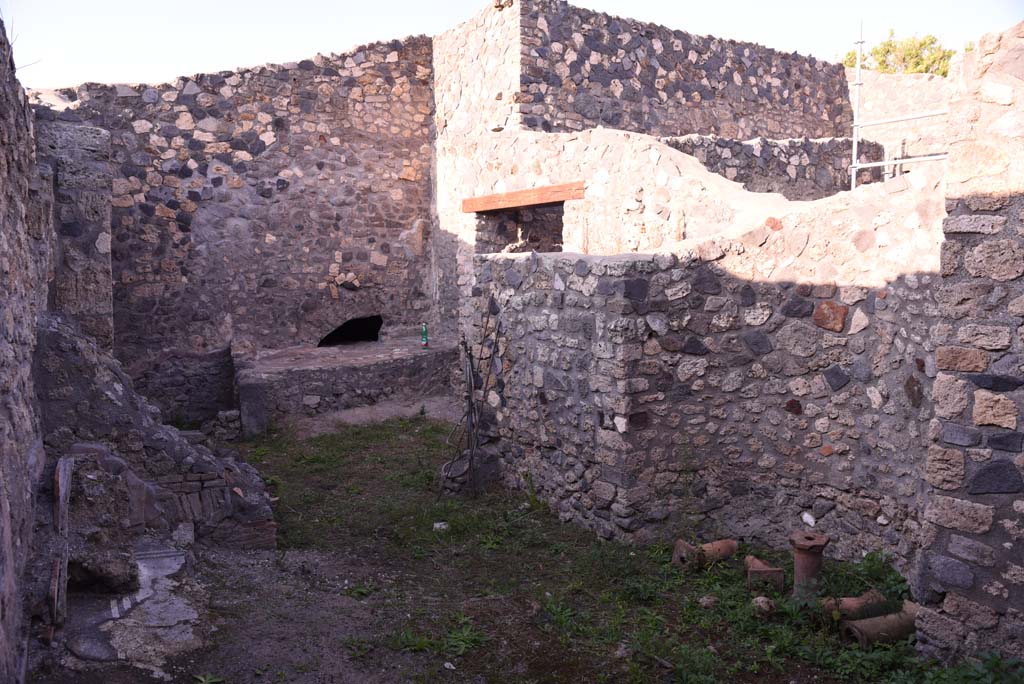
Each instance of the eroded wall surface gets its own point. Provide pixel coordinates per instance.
(26, 200)
(83, 285)
(242, 200)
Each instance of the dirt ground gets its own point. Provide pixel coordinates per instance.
(367, 587)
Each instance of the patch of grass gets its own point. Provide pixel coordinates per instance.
(550, 601)
(357, 647)
(360, 591)
(461, 637)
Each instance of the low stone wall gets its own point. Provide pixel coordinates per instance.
(26, 244)
(798, 169)
(276, 388)
(188, 387)
(582, 69)
(654, 397)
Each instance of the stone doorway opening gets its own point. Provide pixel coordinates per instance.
(354, 330)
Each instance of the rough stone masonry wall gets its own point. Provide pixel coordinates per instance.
(799, 169)
(490, 139)
(468, 110)
(972, 574)
(26, 201)
(653, 397)
(240, 200)
(83, 285)
(582, 69)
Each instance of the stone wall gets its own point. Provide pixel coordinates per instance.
(240, 200)
(972, 574)
(468, 109)
(885, 96)
(799, 169)
(490, 135)
(582, 69)
(26, 201)
(80, 158)
(653, 397)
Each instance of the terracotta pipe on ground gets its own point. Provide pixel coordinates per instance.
(883, 629)
(685, 553)
(852, 607)
(807, 560)
(760, 574)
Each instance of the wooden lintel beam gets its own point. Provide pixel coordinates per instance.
(524, 198)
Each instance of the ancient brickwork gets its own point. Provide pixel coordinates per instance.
(651, 396)
(80, 158)
(972, 573)
(582, 69)
(240, 200)
(797, 168)
(26, 200)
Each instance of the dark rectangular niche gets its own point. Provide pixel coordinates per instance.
(364, 329)
(527, 229)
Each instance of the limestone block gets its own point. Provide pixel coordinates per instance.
(991, 408)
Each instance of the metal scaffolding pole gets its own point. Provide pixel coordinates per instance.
(855, 165)
(856, 109)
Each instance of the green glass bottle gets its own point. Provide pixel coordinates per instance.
(423, 336)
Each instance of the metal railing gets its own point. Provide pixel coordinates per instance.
(856, 165)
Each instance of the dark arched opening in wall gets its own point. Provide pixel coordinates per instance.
(365, 329)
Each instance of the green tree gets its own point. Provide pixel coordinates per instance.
(905, 56)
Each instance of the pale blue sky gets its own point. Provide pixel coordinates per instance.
(65, 42)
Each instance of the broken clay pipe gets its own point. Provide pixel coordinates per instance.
(760, 574)
(688, 554)
(883, 629)
(808, 548)
(852, 607)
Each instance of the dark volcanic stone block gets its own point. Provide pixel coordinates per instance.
(758, 342)
(693, 345)
(995, 383)
(797, 307)
(836, 378)
(997, 477)
(950, 572)
(707, 282)
(960, 435)
(1007, 441)
(636, 289)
